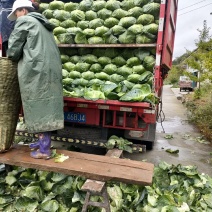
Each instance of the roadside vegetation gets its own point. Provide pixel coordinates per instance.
(199, 102)
(199, 105)
(174, 75)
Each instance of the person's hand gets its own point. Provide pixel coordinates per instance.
(35, 5)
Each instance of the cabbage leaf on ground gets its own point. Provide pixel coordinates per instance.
(174, 188)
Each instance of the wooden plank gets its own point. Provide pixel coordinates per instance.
(116, 161)
(93, 186)
(124, 162)
(97, 186)
(114, 153)
(94, 167)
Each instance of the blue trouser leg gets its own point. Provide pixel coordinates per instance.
(45, 143)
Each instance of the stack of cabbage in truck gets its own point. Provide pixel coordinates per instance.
(115, 55)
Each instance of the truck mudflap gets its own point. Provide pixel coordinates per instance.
(136, 148)
(147, 137)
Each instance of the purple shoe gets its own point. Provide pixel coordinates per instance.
(44, 144)
(38, 155)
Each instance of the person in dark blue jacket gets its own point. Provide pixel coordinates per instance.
(6, 26)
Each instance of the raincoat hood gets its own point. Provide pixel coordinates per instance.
(42, 20)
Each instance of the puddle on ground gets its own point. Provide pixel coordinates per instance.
(176, 124)
(206, 160)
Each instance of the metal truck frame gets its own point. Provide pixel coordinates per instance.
(135, 121)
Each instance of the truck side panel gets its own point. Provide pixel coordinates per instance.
(137, 119)
(169, 33)
(165, 42)
(139, 122)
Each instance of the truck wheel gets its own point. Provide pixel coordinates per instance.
(180, 89)
(149, 145)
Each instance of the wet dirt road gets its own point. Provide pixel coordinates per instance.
(186, 138)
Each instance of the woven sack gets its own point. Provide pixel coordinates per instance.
(10, 102)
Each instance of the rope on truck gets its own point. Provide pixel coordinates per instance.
(136, 148)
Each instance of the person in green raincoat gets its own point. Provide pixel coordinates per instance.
(32, 45)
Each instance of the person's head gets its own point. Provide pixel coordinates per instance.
(20, 8)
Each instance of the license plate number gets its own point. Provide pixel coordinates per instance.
(75, 117)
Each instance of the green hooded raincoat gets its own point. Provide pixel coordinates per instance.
(32, 45)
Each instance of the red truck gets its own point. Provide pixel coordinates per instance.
(185, 83)
(94, 121)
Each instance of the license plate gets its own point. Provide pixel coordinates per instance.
(75, 117)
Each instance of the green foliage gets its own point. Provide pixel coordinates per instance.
(207, 61)
(197, 93)
(31, 194)
(174, 75)
(174, 188)
(180, 60)
(202, 117)
(200, 59)
(204, 34)
(120, 143)
(200, 110)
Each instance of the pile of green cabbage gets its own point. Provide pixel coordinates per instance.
(174, 189)
(108, 73)
(112, 73)
(101, 21)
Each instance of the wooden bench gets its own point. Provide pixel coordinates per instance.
(94, 167)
